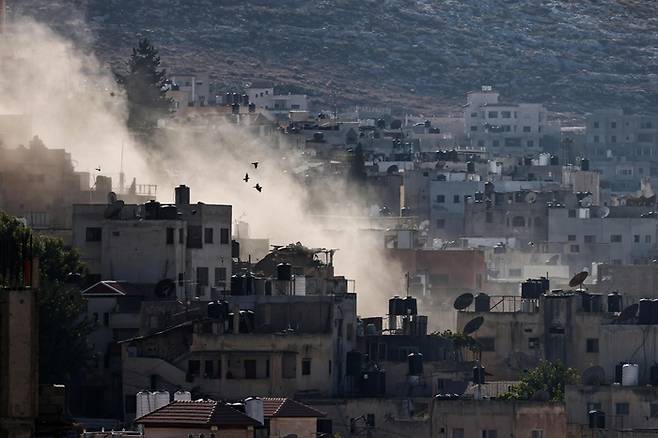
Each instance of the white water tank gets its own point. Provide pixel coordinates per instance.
(300, 285)
(630, 374)
(161, 399)
(143, 403)
(253, 407)
(182, 396)
(544, 159)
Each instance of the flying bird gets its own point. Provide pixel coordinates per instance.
(98, 169)
(258, 187)
(246, 177)
(255, 163)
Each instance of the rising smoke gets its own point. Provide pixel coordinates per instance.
(74, 103)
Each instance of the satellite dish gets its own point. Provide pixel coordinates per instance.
(473, 325)
(552, 260)
(111, 198)
(593, 376)
(531, 197)
(586, 202)
(628, 313)
(113, 210)
(605, 212)
(165, 288)
(463, 301)
(578, 279)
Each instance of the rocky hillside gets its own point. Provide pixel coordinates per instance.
(573, 55)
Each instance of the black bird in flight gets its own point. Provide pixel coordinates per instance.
(258, 187)
(255, 163)
(98, 169)
(246, 177)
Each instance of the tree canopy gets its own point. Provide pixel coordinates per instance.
(551, 377)
(145, 87)
(63, 330)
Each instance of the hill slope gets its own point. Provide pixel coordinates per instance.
(569, 54)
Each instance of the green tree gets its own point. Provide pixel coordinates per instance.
(551, 377)
(63, 329)
(145, 87)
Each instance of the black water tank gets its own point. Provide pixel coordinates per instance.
(235, 249)
(235, 108)
(584, 164)
(482, 302)
(614, 302)
(228, 99)
(169, 212)
(396, 306)
(380, 123)
(214, 310)
(645, 312)
(223, 309)
(236, 98)
(585, 302)
(531, 289)
(151, 210)
(410, 306)
(545, 284)
(654, 311)
(653, 375)
(182, 195)
(415, 361)
(284, 272)
(478, 375)
(555, 161)
(236, 285)
(597, 302)
(248, 285)
(245, 100)
(252, 107)
(470, 167)
(596, 419)
(353, 363)
(488, 188)
(247, 321)
(619, 372)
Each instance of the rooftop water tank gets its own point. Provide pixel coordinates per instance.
(284, 272)
(144, 404)
(482, 302)
(630, 374)
(410, 306)
(162, 399)
(182, 396)
(396, 306)
(614, 302)
(415, 361)
(254, 408)
(645, 312)
(654, 311)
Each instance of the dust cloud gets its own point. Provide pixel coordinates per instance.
(74, 103)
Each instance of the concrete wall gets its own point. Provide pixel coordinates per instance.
(507, 418)
(181, 432)
(302, 427)
(19, 374)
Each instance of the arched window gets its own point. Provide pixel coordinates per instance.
(518, 221)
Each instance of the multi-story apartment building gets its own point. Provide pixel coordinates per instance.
(189, 244)
(612, 134)
(506, 128)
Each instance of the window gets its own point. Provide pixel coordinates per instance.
(596, 139)
(654, 410)
(208, 235)
(506, 114)
(574, 248)
(613, 139)
(592, 345)
(455, 199)
(220, 276)
(475, 114)
(194, 233)
(571, 237)
(456, 433)
(289, 366)
(596, 125)
(306, 367)
(489, 217)
(249, 369)
(622, 408)
(170, 236)
(93, 234)
(474, 128)
(615, 238)
(208, 368)
(487, 344)
(440, 223)
(202, 276)
(224, 236)
(537, 434)
(647, 238)
(518, 221)
(589, 238)
(193, 367)
(489, 434)
(533, 343)
(440, 199)
(493, 114)
(636, 238)
(515, 272)
(613, 125)
(530, 143)
(527, 129)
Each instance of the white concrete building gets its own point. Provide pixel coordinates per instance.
(189, 244)
(505, 128)
(264, 97)
(196, 85)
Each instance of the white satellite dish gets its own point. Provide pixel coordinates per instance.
(531, 197)
(586, 202)
(605, 211)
